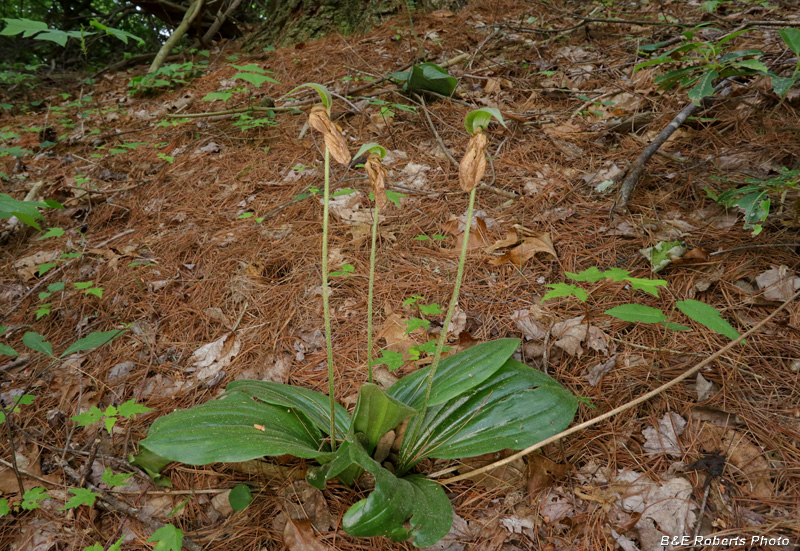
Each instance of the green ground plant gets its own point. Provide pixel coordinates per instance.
(32, 498)
(702, 313)
(474, 402)
(704, 63)
(166, 78)
(26, 212)
(708, 63)
(754, 197)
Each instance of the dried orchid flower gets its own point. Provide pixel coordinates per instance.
(334, 140)
(473, 165)
(377, 178)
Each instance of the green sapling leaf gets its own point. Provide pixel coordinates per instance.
(324, 94)
(371, 147)
(37, 342)
(131, 408)
(565, 290)
(416, 323)
(480, 118)
(112, 479)
(637, 313)
(33, 498)
(83, 496)
(431, 309)
(168, 537)
(240, 497)
(707, 316)
(95, 339)
(704, 87)
(88, 417)
(391, 359)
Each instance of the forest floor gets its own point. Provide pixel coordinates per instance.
(203, 230)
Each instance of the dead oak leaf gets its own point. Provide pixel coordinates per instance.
(213, 357)
(28, 266)
(299, 536)
(478, 235)
(778, 283)
(506, 476)
(571, 333)
(394, 332)
(511, 239)
(530, 246)
(542, 473)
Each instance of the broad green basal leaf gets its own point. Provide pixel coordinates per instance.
(233, 428)
(314, 405)
(377, 413)
(322, 91)
(514, 408)
(431, 77)
(456, 374)
(481, 118)
(398, 508)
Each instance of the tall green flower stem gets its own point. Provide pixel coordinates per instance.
(326, 307)
(371, 290)
(453, 301)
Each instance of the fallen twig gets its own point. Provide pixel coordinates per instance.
(625, 407)
(636, 169)
(118, 506)
(53, 272)
(757, 246)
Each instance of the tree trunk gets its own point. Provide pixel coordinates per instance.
(293, 21)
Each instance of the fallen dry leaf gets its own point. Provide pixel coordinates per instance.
(532, 323)
(212, 358)
(441, 14)
(216, 314)
(665, 506)
(518, 255)
(572, 332)
(221, 502)
(596, 373)
(300, 501)
(27, 266)
(778, 283)
(344, 206)
(394, 332)
(542, 473)
(478, 235)
(664, 437)
(511, 239)
(704, 388)
(698, 254)
(275, 368)
(749, 460)
(506, 476)
(299, 536)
